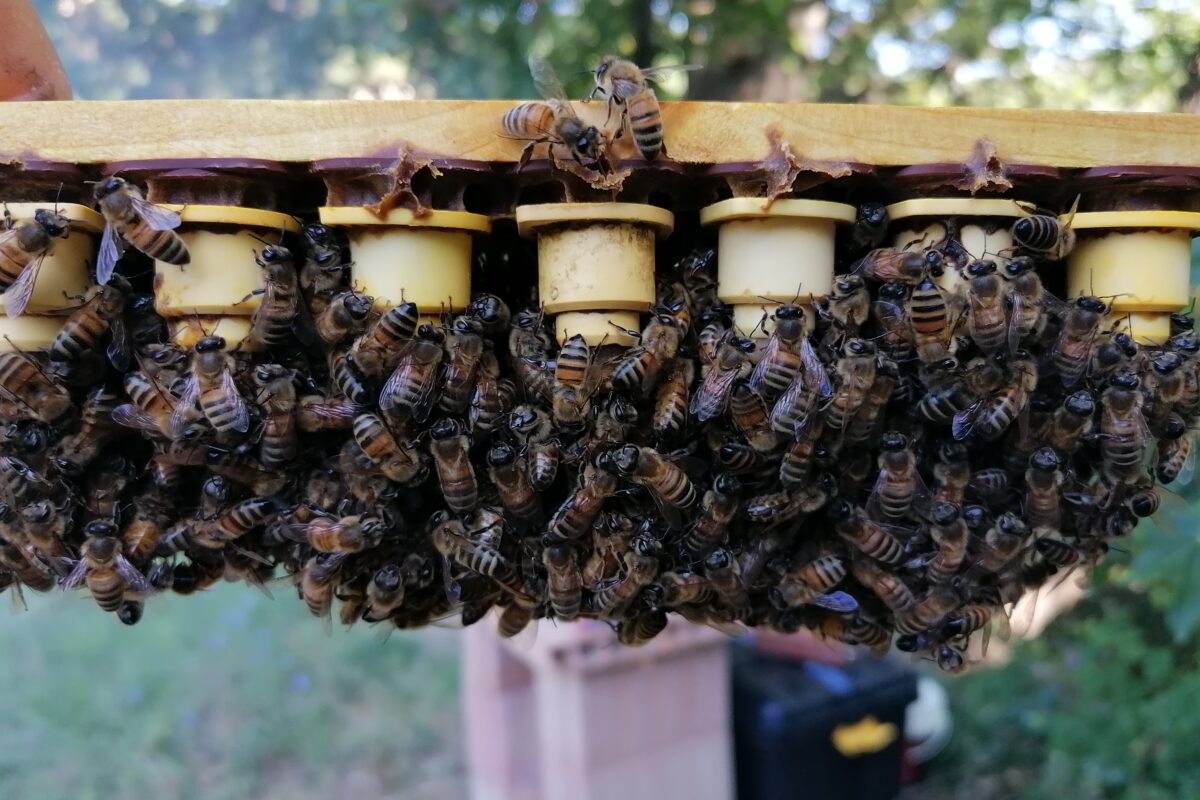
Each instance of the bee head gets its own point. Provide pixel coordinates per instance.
(501, 454)
(1081, 403)
(893, 441)
(873, 213)
(1045, 459)
(106, 187)
(1124, 380)
(944, 513)
(1092, 304)
(444, 428)
(718, 559)
(1019, 265)
(1167, 362)
(209, 344)
(105, 528)
(53, 223)
(727, 484)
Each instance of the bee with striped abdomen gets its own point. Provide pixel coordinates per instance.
(130, 218)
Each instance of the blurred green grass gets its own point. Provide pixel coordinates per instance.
(225, 694)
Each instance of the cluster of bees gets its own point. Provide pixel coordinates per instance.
(897, 462)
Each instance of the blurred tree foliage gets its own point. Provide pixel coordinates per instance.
(1110, 54)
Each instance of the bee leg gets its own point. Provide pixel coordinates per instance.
(8, 218)
(247, 297)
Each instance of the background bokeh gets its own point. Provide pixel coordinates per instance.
(229, 694)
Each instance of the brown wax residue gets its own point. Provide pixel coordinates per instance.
(782, 170)
(401, 195)
(607, 179)
(984, 171)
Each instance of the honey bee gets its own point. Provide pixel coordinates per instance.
(1043, 484)
(104, 569)
(628, 89)
(891, 265)
(739, 458)
(25, 384)
(573, 384)
(712, 397)
(950, 534)
(669, 417)
(551, 121)
(510, 477)
(344, 317)
(378, 349)
(987, 317)
(563, 582)
(866, 421)
(991, 415)
(1126, 439)
(464, 349)
(23, 247)
(412, 388)
(1002, 542)
(532, 428)
(724, 576)
(848, 305)
(899, 490)
(456, 475)
(787, 351)
(578, 513)
(802, 454)
(317, 582)
(487, 401)
(130, 219)
(886, 585)
(929, 611)
(1043, 235)
(1071, 422)
(812, 584)
(951, 473)
(667, 483)
(775, 508)
(96, 430)
(870, 226)
(638, 369)
(1072, 352)
(452, 539)
(896, 334)
(277, 396)
(718, 508)
(1031, 303)
(873, 538)
(749, 415)
(210, 386)
(321, 273)
(101, 312)
(854, 376)
(933, 319)
(271, 323)
(1177, 461)
(352, 534)
(399, 463)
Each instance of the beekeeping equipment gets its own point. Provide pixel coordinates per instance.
(595, 264)
(770, 253)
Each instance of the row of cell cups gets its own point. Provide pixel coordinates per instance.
(596, 260)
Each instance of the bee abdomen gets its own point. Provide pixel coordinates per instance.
(163, 246)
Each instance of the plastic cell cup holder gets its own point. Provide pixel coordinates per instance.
(404, 258)
(222, 274)
(983, 226)
(595, 265)
(769, 253)
(1137, 261)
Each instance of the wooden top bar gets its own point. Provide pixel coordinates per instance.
(90, 132)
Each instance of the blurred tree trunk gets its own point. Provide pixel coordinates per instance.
(643, 33)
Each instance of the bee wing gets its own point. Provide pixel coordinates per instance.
(838, 602)
(156, 217)
(713, 395)
(118, 343)
(1014, 332)
(922, 497)
(623, 87)
(135, 579)
(16, 297)
(656, 74)
(545, 78)
(964, 421)
(1188, 471)
(76, 577)
(179, 417)
(111, 248)
(873, 507)
(130, 416)
(814, 368)
(759, 374)
(241, 419)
